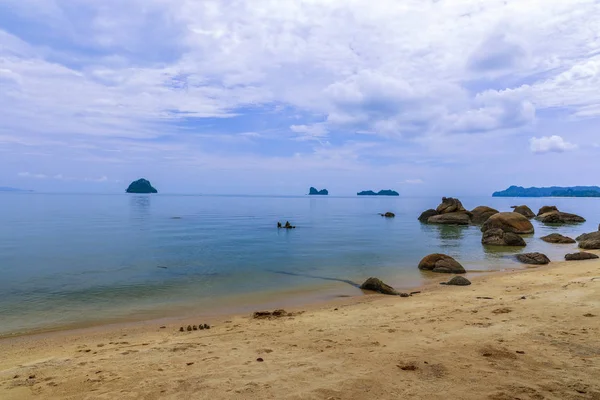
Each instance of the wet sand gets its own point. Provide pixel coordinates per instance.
(532, 334)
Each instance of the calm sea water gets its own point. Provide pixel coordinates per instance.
(68, 259)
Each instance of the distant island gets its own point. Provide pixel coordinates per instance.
(11, 189)
(314, 192)
(141, 186)
(388, 192)
(553, 191)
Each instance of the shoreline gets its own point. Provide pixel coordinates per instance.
(537, 327)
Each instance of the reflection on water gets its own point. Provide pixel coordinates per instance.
(140, 205)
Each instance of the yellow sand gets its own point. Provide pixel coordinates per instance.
(445, 343)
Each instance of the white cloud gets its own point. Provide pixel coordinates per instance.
(414, 181)
(30, 175)
(548, 144)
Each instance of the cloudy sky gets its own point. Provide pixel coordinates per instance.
(428, 97)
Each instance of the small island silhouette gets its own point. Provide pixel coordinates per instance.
(553, 191)
(314, 192)
(141, 186)
(387, 192)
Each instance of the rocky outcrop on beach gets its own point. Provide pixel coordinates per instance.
(441, 263)
(481, 214)
(557, 238)
(546, 209)
(425, 215)
(141, 186)
(509, 222)
(388, 214)
(582, 255)
(455, 218)
(377, 285)
(589, 241)
(450, 205)
(498, 237)
(533, 258)
(558, 217)
(524, 211)
(457, 281)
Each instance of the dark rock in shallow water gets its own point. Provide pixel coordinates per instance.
(524, 211)
(313, 191)
(388, 215)
(455, 218)
(458, 281)
(546, 209)
(582, 255)
(450, 205)
(141, 186)
(425, 215)
(533, 258)
(509, 222)
(441, 263)
(482, 213)
(589, 241)
(557, 238)
(558, 217)
(377, 285)
(497, 237)
(286, 226)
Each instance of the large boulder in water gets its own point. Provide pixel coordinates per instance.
(425, 215)
(497, 237)
(557, 238)
(589, 241)
(441, 263)
(558, 217)
(509, 222)
(141, 186)
(582, 255)
(377, 285)
(533, 258)
(481, 214)
(546, 209)
(455, 218)
(450, 205)
(524, 211)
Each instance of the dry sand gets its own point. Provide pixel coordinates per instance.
(538, 337)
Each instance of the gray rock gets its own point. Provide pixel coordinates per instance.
(481, 214)
(458, 281)
(388, 215)
(377, 285)
(558, 217)
(557, 238)
(533, 258)
(589, 241)
(524, 211)
(509, 222)
(425, 215)
(441, 263)
(497, 237)
(455, 218)
(450, 205)
(582, 255)
(546, 209)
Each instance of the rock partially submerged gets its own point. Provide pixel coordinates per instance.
(457, 281)
(533, 258)
(509, 222)
(557, 238)
(589, 241)
(388, 215)
(524, 211)
(481, 214)
(425, 215)
(558, 217)
(286, 226)
(497, 237)
(455, 218)
(582, 255)
(450, 205)
(441, 263)
(377, 285)
(546, 209)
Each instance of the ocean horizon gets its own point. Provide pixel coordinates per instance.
(85, 259)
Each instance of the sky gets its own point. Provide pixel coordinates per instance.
(427, 97)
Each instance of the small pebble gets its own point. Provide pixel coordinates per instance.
(201, 327)
(195, 327)
(206, 326)
(31, 376)
(189, 328)
(190, 363)
(163, 327)
(181, 329)
(259, 359)
(520, 352)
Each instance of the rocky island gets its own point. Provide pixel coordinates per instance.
(388, 192)
(553, 191)
(141, 186)
(314, 192)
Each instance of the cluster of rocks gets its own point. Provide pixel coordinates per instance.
(503, 229)
(194, 327)
(286, 226)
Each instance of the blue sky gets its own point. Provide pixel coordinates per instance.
(458, 97)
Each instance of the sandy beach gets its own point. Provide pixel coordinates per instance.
(529, 334)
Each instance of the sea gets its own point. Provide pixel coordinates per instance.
(75, 260)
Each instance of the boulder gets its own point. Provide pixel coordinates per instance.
(377, 285)
(497, 237)
(441, 263)
(524, 211)
(558, 217)
(582, 255)
(458, 281)
(425, 215)
(557, 238)
(589, 241)
(509, 222)
(481, 214)
(388, 215)
(546, 209)
(455, 218)
(533, 258)
(450, 205)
